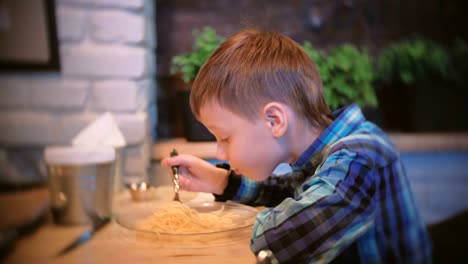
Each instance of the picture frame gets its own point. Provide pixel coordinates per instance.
(28, 36)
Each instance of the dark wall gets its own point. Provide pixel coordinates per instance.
(324, 22)
(366, 23)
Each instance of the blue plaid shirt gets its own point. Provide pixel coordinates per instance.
(347, 198)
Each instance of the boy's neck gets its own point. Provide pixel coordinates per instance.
(300, 138)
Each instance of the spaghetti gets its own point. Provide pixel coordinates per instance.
(178, 218)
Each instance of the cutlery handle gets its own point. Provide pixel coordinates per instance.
(175, 172)
(175, 169)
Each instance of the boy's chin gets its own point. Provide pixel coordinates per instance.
(256, 177)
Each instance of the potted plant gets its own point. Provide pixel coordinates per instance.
(206, 41)
(412, 60)
(347, 75)
(414, 75)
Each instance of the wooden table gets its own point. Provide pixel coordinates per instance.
(116, 244)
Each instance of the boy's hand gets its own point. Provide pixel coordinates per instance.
(198, 175)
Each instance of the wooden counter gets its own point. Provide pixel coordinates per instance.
(116, 244)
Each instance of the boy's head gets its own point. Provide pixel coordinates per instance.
(253, 68)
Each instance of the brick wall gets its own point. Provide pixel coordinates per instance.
(107, 64)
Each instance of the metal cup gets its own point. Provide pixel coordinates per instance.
(118, 171)
(80, 183)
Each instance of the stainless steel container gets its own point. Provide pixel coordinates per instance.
(80, 182)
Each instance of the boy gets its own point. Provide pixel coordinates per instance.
(347, 197)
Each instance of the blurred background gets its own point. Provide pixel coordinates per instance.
(412, 54)
(63, 63)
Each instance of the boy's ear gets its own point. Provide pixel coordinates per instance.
(275, 116)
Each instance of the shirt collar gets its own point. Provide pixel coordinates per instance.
(347, 119)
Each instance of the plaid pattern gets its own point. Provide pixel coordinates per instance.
(347, 190)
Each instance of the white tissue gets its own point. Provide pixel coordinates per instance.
(102, 132)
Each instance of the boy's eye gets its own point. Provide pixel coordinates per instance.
(224, 139)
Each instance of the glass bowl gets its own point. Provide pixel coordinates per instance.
(133, 213)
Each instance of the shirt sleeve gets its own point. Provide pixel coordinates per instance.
(270, 192)
(334, 208)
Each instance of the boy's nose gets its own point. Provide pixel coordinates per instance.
(220, 153)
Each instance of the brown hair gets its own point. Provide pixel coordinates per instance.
(253, 68)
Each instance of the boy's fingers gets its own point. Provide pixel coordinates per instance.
(184, 183)
(164, 162)
(180, 160)
(172, 161)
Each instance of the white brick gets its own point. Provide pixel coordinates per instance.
(131, 4)
(77, 2)
(69, 125)
(150, 25)
(135, 128)
(24, 97)
(27, 128)
(151, 62)
(59, 94)
(91, 60)
(117, 26)
(14, 91)
(150, 36)
(71, 23)
(146, 94)
(115, 95)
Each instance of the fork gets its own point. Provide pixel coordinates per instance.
(175, 172)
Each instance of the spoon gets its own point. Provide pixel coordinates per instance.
(175, 172)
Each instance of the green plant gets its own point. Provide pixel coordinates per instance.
(413, 60)
(205, 43)
(347, 75)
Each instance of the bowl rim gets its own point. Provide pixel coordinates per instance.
(249, 220)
